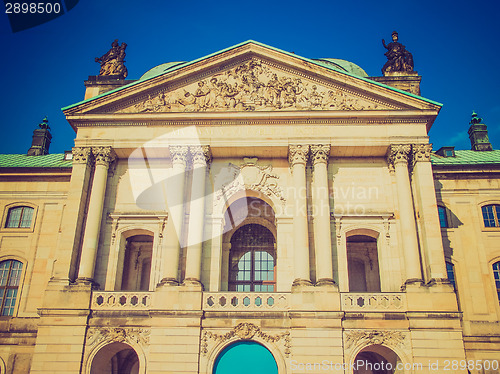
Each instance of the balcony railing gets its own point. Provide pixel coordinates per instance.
(377, 302)
(241, 301)
(118, 300)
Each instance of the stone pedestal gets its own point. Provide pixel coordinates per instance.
(404, 80)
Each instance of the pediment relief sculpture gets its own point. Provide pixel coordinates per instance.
(254, 86)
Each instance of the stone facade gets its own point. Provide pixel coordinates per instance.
(132, 255)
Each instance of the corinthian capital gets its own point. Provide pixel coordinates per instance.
(298, 154)
(421, 152)
(399, 153)
(82, 155)
(179, 153)
(201, 155)
(103, 155)
(320, 153)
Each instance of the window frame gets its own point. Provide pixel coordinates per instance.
(443, 208)
(496, 281)
(6, 213)
(496, 215)
(14, 308)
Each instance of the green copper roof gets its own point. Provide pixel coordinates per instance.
(327, 64)
(55, 160)
(467, 157)
(345, 65)
(160, 69)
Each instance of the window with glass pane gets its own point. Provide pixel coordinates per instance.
(443, 219)
(491, 215)
(19, 217)
(496, 274)
(10, 275)
(252, 260)
(450, 270)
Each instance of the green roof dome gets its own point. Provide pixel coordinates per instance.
(157, 70)
(344, 65)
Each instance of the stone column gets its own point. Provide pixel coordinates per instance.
(425, 196)
(321, 215)
(103, 157)
(171, 245)
(398, 158)
(297, 157)
(201, 160)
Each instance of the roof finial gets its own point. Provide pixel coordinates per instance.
(475, 119)
(44, 124)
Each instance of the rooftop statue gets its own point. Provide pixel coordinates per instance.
(398, 58)
(113, 62)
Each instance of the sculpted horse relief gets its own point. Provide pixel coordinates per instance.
(252, 86)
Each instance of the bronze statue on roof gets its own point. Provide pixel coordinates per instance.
(113, 61)
(398, 58)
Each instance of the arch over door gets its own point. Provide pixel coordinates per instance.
(245, 358)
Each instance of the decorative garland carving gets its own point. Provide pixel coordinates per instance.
(82, 155)
(250, 176)
(398, 153)
(96, 335)
(298, 154)
(246, 331)
(320, 153)
(389, 338)
(252, 86)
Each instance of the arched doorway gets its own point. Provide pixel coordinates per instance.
(115, 358)
(245, 357)
(377, 359)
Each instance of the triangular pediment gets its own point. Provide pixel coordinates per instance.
(251, 78)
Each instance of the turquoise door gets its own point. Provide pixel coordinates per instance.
(245, 358)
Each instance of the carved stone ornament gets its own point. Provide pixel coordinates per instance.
(320, 153)
(389, 338)
(179, 153)
(103, 155)
(96, 335)
(201, 155)
(399, 153)
(253, 86)
(81, 155)
(421, 152)
(250, 176)
(113, 61)
(245, 331)
(298, 154)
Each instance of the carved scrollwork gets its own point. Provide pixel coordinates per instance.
(250, 176)
(389, 338)
(82, 155)
(103, 155)
(398, 153)
(245, 331)
(97, 335)
(201, 155)
(252, 86)
(421, 152)
(320, 153)
(298, 154)
(178, 154)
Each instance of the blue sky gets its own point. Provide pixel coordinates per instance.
(455, 45)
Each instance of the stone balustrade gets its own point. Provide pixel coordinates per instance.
(241, 301)
(118, 300)
(376, 302)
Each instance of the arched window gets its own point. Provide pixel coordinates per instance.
(496, 274)
(491, 215)
(443, 218)
(115, 358)
(136, 273)
(19, 217)
(450, 271)
(252, 260)
(10, 275)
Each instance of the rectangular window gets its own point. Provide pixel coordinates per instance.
(443, 219)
